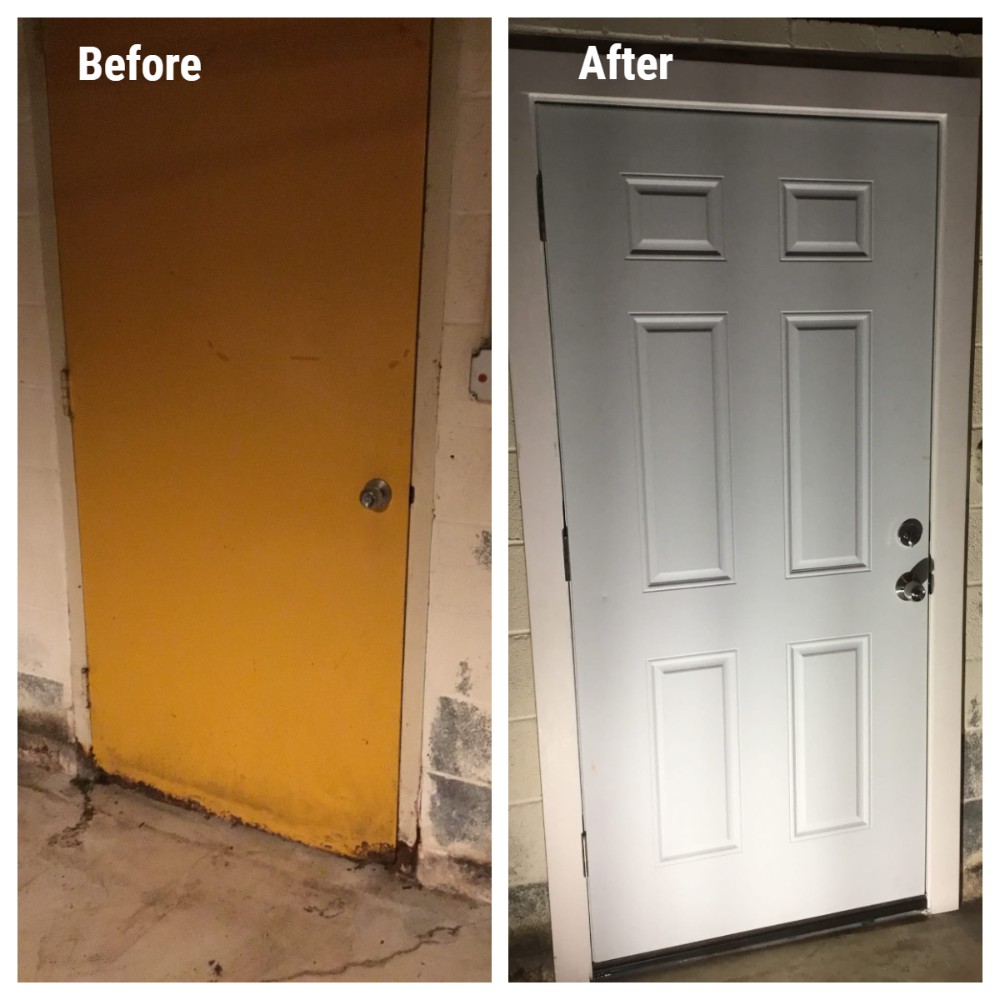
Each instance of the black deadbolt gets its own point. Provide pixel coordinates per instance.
(910, 532)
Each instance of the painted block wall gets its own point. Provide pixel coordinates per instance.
(972, 777)
(758, 32)
(455, 805)
(528, 902)
(528, 896)
(44, 669)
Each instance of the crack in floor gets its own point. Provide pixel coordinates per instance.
(72, 836)
(427, 937)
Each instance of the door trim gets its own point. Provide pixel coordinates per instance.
(442, 136)
(953, 104)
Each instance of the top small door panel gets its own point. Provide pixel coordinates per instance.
(671, 216)
(826, 220)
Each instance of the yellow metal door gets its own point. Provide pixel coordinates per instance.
(239, 259)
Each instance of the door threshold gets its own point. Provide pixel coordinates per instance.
(778, 933)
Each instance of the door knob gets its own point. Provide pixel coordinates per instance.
(910, 532)
(915, 584)
(376, 495)
(909, 588)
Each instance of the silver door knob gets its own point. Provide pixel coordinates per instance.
(376, 495)
(909, 588)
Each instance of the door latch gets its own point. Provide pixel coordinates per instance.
(917, 583)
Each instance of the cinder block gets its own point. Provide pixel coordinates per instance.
(41, 548)
(916, 41)
(458, 654)
(41, 708)
(970, 46)
(520, 677)
(475, 65)
(468, 269)
(511, 430)
(747, 30)
(973, 693)
(461, 555)
(459, 742)
(972, 765)
(525, 781)
(639, 28)
(976, 468)
(515, 523)
(977, 387)
(526, 845)
(972, 831)
(43, 644)
(979, 301)
(458, 815)
(667, 29)
(974, 568)
(518, 619)
(529, 920)
(470, 179)
(462, 476)
(974, 623)
(839, 37)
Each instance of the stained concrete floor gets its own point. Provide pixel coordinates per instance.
(116, 886)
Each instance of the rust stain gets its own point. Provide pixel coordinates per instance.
(406, 856)
(332, 909)
(378, 854)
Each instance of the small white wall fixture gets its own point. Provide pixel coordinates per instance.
(951, 103)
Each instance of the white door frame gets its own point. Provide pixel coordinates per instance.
(953, 104)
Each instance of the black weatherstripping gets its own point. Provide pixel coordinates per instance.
(624, 967)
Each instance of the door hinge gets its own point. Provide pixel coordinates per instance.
(85, 672)
(583, 848)
(541, 207)
(64, 392)
(565, 541)
(413, 494)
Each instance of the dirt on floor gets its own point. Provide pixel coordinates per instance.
(115, 886)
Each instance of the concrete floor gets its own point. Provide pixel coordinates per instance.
(116, 886)
(943, 949)
(946, 948)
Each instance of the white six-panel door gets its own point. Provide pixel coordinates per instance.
(741, 310)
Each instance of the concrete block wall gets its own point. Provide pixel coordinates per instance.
(528, 913)
(972, 763)
(762, 32)
(44, 667)
(455, 806)
(528, 896)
